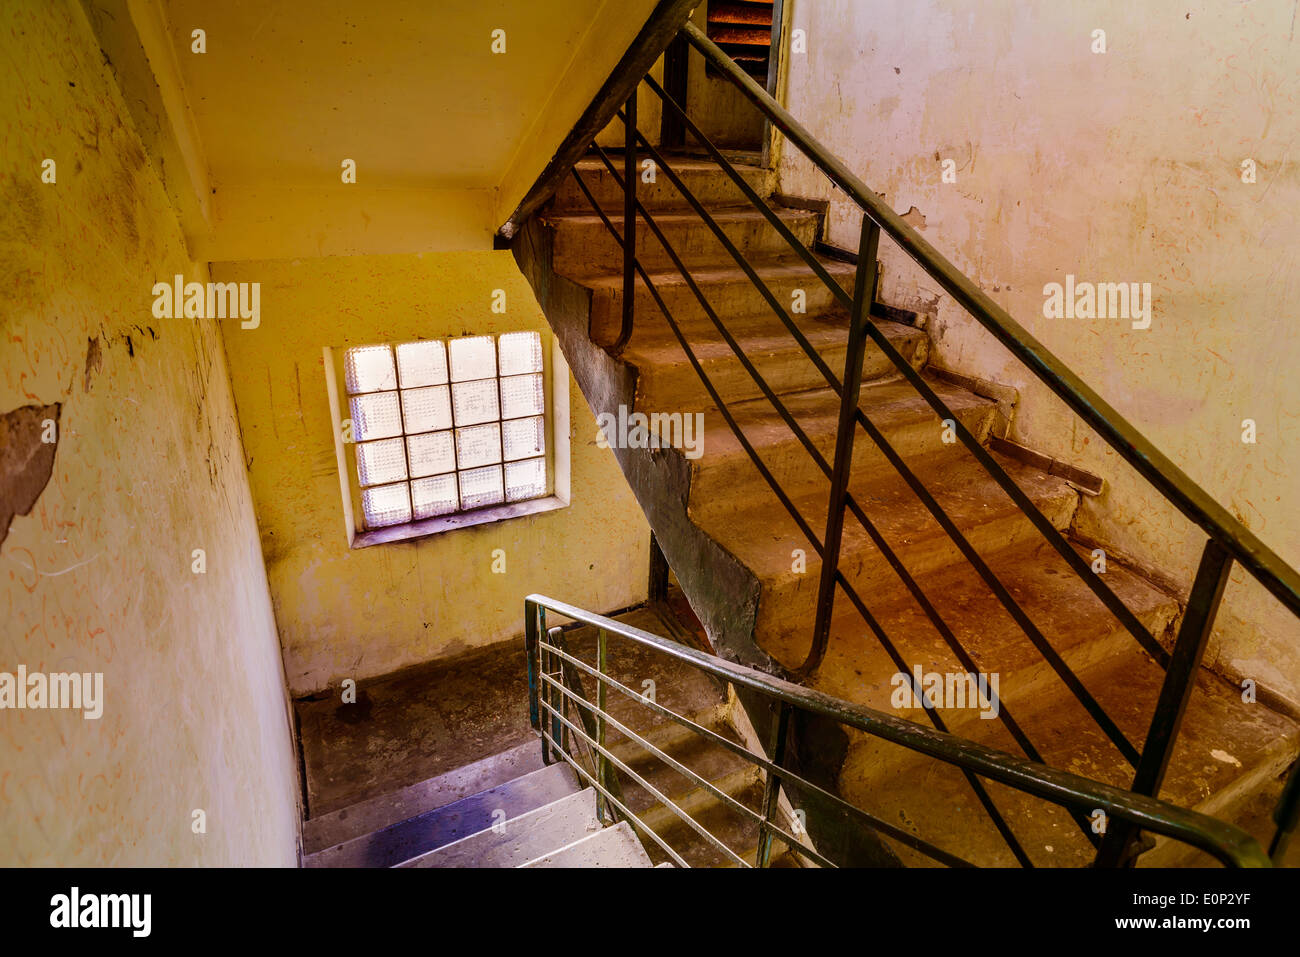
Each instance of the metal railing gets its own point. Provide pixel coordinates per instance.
(556, 695)
(1228, 539)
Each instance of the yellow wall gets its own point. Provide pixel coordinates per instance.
(1116, 167)
(356, 613)
(99, 576)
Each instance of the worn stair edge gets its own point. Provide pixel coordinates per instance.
(520, 839)
(378, 812)
(613, 846)
(400, 842)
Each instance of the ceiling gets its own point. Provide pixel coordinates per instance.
(409, 89)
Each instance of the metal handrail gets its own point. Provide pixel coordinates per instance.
(1226, 843)
(1263, 563)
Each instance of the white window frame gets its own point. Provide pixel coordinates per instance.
(555, 380)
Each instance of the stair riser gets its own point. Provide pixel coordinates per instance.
(677, 387)
(717, 478)
(789, 601)
(728, 300)
(707, 185)
(584, 247)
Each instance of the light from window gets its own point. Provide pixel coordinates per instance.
(445, 427)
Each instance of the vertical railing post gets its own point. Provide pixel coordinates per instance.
(559, 730)
(531, 613)
(602, 762)
(629, 222)
(1175, 692)
(772, 786)
(864, 289)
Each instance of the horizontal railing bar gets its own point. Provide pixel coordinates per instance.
(661, 798)
(657, 752)
(1223, 841)
(709, 786)
(1189, 498)
(591, 780)
(911, 840)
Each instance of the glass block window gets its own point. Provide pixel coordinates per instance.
(447, 426)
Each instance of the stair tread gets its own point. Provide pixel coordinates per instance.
(519, 839)
(736, 213)
(768, 268)
(395, 806)
(406, 839)
(615, 846)
(885, 403)
(658, 353)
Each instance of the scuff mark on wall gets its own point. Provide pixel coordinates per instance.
(26, 458)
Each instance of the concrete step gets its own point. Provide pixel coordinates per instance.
(1075, 623)
(584, 246)
(725, 287)
(703, 177)
(385, 809)
(764, 537)
(733, 829)
(725, 475)
(520, 839)
(615, 846)
(1225, 748)
(409, 838)
(667, 382)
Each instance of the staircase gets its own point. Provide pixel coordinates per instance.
(511, 810)
(752, 576)
(539, 819)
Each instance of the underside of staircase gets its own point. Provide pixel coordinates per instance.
(752, 578)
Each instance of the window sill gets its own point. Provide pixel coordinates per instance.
(446, 523)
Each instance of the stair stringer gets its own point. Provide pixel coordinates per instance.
(723, 592)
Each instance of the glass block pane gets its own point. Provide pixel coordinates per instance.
(381, 462)
(369, 369)
(520, 352)
(523, 438)
(478, 445)
(473, 357)
(475, 402)
(430, 454)
(525, 479)
(386, 505)
(425, 410)
(434, 496)
(479, 487)
(422, 363)
(375, 416)
(521, 395)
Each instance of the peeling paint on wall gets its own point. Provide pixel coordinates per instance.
(28, 439)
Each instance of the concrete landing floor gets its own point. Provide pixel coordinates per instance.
(424, 721)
